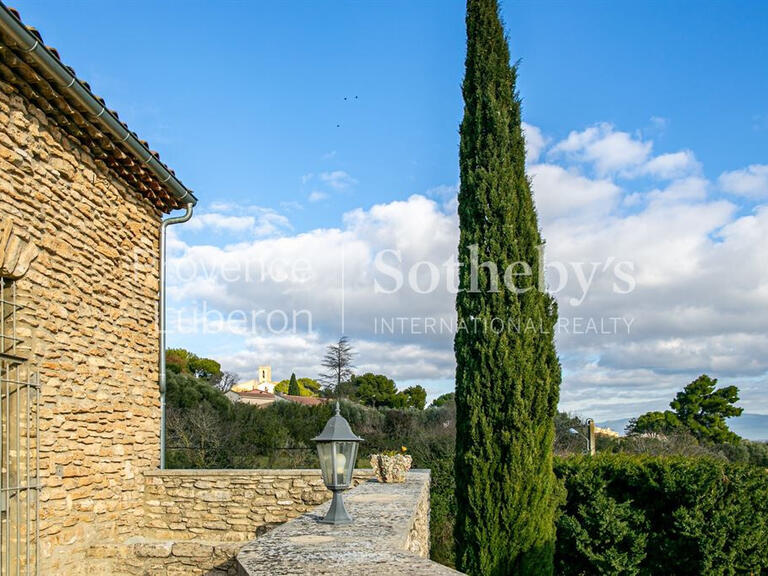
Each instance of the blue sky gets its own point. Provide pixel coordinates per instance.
(646, 117)
(242, 99)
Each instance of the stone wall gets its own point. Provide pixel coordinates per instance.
(91, 324)
(417, 541)
(228, 505)
(195, 521)
(389, 536)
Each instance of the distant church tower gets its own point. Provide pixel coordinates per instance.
(265, 379)
(263, 382)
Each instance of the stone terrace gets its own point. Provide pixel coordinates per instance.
(390, 535)
(195, 521)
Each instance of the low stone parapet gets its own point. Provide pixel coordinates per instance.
(228, 505)
(195, 521)
(389, 536)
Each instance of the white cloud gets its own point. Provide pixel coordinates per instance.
(222, 206)
(261, 221)
(443, 192)
(691, 189)
(751, 182)
(327, 182)
(535, 142)
(700, 301)
(222, 222)
(255, 277)
(673, 165)
(560, 192)
(291, 205)
(619, 153)
(727, 354)
(659, 123)
(610, 151)
(338, 179)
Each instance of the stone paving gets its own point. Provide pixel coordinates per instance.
(390, 535)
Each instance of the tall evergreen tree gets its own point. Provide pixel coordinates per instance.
(338, 365)
(293, 386)
(507, 373)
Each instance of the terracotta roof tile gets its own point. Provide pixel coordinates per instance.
(255, 394)
(19, 70)
(306, 400)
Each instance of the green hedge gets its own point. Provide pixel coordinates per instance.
(643, 515)
(625, 513)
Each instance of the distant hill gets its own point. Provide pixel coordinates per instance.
(749, 426)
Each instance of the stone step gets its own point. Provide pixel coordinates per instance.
(146, 556)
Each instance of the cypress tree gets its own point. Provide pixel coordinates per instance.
(507, 371)
(293, 386)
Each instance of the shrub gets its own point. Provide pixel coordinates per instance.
(651, 515)
(625, 513)
(609, 536)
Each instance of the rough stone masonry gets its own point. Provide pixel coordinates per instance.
(90, 320)
(389, 537)
(85, 265)
(195, 521)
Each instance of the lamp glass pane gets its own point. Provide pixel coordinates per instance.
(325, 453)
(346, 455)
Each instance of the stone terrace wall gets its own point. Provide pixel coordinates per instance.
(91, 322)
(228, 505)
(389, 537)
(195, 521)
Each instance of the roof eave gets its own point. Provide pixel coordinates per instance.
(101, 115)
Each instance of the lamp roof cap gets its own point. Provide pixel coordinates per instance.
(337, 430)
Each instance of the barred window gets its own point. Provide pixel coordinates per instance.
(19, 431)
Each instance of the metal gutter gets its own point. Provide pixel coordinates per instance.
(161, 321)
(70, 85)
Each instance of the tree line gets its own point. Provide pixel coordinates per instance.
(375, 390)
(338, 379)
(207, 430)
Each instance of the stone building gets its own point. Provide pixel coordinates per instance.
(263, 383)
(256, 397)
(265, 379)
(263, 399)
(81, 204)
(82, 489)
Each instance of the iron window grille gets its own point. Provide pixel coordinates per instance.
(19, 433)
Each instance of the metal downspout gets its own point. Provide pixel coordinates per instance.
(161, 321)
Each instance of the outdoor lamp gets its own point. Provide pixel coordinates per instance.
(590, 425)
(337, 450)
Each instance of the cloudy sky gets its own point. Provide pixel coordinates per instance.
(322, 141)
(659, 271)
